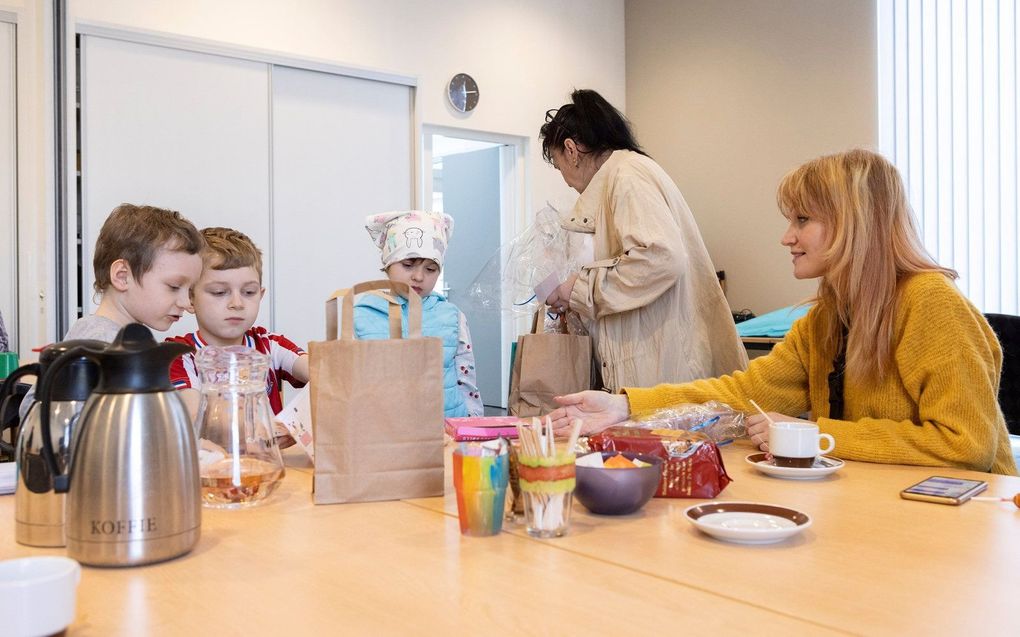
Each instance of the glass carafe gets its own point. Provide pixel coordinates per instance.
(239, 461)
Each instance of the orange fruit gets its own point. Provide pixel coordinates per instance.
(618, 462)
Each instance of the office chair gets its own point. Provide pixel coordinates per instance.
(9, 421)
(1007, 328)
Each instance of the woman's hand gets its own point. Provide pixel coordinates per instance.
(596, 409)
(758, 427)
(559, 299)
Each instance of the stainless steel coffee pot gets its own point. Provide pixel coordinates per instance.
(38, 509)
(133, 494)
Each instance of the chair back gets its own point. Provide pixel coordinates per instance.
(9, 421)
(1007, 328)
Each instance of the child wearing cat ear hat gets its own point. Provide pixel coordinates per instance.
(412, 245)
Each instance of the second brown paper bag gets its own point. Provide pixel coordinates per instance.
(548, 365)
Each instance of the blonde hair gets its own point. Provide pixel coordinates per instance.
(136, 234)
(873, 245)
(228, 249)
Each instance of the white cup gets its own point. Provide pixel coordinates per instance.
(797, 444)
(37, 595)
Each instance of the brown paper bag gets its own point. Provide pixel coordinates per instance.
(547, 365)
(377, 407)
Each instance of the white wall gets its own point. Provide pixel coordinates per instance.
(730, 95)
(526, 55)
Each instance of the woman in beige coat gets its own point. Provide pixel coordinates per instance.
(651, 299)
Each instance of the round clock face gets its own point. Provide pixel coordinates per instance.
(463, 92)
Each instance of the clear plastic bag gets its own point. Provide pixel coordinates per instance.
(574, 324)
(508, 280)
(720, 422)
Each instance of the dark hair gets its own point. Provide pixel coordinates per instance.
(137, 234)
(591, 122)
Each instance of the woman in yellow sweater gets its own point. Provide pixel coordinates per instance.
(891, 360)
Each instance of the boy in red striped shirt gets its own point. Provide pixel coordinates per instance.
(226, 303)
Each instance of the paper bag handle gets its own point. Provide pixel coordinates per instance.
(348, 294)
(561, 322)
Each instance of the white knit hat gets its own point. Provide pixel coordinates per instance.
(410, 234)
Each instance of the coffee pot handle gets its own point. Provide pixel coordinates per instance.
(61, 481)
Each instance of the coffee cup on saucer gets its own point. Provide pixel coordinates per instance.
(797, 444)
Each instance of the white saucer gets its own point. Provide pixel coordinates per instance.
(824, 465)
(747, 522)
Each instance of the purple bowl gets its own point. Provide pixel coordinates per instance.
(618, 491)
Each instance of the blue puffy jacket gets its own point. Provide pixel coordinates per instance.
(440, 318)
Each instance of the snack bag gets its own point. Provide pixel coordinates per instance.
(693, 466)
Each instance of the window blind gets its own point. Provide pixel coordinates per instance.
(948, 120)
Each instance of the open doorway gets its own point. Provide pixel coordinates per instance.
(477, 178)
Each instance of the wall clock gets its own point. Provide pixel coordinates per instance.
(463, 92)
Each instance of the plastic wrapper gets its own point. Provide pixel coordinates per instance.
(692, 467)
(553, 324)
(720, 422)
(507, 282)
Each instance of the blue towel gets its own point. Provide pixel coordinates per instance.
(775, 324)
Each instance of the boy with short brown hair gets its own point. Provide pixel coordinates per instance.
(146, 260)
(226, 301)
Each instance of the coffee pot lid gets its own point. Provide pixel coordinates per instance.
(135, 363)
(77, 379)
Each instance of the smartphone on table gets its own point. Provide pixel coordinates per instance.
(943, 490)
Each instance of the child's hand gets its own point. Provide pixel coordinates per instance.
(300, 370)
(285, 441)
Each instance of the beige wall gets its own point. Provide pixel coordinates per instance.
(728, 95)
(527, 55)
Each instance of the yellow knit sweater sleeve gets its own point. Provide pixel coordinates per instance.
(947, 365)
(777, 381)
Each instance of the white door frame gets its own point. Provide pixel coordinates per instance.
(513, 192)
(10, 228)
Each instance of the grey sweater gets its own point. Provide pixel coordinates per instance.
(92, 327)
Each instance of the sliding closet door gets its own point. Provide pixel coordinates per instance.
(175, 129)
(341, 150)
(8, 182)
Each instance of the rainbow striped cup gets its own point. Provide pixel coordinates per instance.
(480, 478)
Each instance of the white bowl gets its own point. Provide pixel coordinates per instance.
(37, 595)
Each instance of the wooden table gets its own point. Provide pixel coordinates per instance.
(870, 564)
